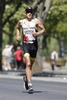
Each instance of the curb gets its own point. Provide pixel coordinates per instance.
(51, 79)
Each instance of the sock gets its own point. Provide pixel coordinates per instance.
(29, 84)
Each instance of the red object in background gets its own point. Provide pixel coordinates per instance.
(19, 55)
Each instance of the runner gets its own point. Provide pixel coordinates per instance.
(30, 46)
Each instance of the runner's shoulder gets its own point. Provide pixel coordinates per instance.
(37, 20)
(20, 21)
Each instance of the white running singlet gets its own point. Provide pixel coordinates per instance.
(28, 28)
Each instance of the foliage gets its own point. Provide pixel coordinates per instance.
(57, 20)
(56, 24)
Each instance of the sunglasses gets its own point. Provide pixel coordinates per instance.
(29, 11)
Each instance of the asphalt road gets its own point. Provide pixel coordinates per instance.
(12, 89)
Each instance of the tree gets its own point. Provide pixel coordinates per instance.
(2, 7)
(56, 23)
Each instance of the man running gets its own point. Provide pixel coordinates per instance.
(30, 46)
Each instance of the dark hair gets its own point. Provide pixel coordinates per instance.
(29, 9)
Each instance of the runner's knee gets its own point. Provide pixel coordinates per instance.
(28, 64)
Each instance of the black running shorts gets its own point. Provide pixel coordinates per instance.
(30, 48)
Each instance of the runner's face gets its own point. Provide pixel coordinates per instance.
(29, 14)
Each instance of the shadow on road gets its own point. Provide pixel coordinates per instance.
(33, 92)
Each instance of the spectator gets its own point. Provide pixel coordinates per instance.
(54, 58)
(19, 57)
(6, 58)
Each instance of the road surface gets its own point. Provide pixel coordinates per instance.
(51, 89)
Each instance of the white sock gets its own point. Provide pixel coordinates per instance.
(29, 84)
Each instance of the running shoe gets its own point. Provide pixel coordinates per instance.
(25, 83)
(30, 89)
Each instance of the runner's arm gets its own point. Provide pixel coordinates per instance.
(19, 25)
(41, 27)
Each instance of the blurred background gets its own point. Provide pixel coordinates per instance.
(53, 14)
